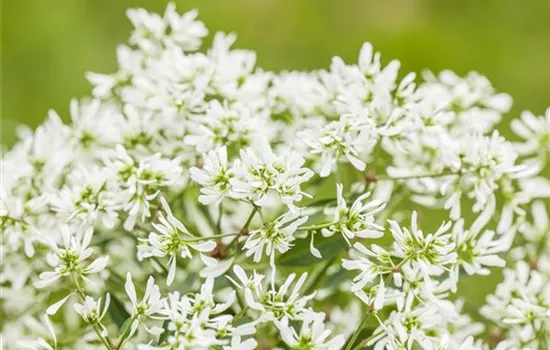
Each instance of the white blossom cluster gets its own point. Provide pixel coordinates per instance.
(196, 201)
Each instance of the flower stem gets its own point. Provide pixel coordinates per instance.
(315, 227)
(204, 238)
(420, 176)
(364, 342)
(244, 229)
(250, 217)
(219, 221)
(354, 336)
(124, 336)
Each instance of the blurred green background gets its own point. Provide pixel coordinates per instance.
(47, 46)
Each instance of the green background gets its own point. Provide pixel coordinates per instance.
(48, 45)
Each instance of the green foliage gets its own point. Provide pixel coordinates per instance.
(118, 312)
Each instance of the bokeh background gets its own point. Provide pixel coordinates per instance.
(47, 46)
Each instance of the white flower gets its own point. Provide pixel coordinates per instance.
(278, 305)
(190, 317)
(470, 98)
(344, 321)
(357, 221)
(153, 32)
(88, 197)
(71, 258)
(150, 304)
(430, 253)
(184, 30)
(520, 305)
(485, 160)
(409, 325)
(91, 310)
(214, 176)
(18, 232)
(233, 126)
(205, 299)
(140, 181)
(276, 236)
(534, 233)
(346, 138)
(476, 252)
(173, 110)
(171, 241)
(252, 287)
(523, 311)
(312, 334)
(130, 62)
(96, 126)
(534, 130)
(262, 172)
(366, 264)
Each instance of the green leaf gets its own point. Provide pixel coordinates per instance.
(118, 313)
(300, 255)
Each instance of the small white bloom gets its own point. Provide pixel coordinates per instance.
(172, 239)
(430, 253)
(357, 221)
(278, 305)
(312, 334)
(534, 130)
(345, 138)
(91, 311)
(252, 287)
(261, 172)
(71, 258)
(274, 236)
(214, 176)
(150, 304)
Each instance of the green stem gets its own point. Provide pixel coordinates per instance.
(357, 331)
(315, 227)
(364, 342)
(420, 176)
(250, 217)
(245, 226)
(338, 174)
(123, 337)
(205, 238)
(219, 221)
(243, 311)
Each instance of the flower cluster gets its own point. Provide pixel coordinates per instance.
(196, 201)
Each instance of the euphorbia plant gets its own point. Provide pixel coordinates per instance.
(195, 201)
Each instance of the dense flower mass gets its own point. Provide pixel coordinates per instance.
(195, 201)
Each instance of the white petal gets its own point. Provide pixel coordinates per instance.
(207, 246)
(314, 251)
(171, 270)
(98, 265)
(130, 289)
(55, 307)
